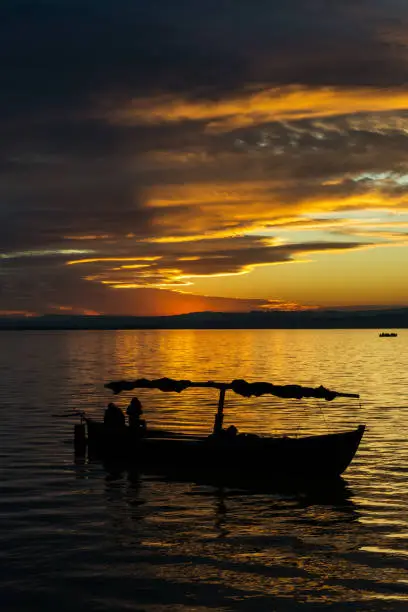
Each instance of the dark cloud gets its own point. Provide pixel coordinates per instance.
(64, 57)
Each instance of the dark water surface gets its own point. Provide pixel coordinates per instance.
(75, 537)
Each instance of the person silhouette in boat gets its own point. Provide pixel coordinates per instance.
(114, 417)
(231, 431)
(134, 412)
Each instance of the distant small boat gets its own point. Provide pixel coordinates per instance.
(388, 335)
(246, 457)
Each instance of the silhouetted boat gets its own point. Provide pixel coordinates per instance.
(388, 335)
(246, 456)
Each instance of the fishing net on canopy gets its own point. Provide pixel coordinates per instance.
(241, 387)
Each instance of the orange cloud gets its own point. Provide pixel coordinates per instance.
(73, 262)
(88, 237)
(214, 259)
(271, 104)
(283, 305)
(206, 211)
(17, 313)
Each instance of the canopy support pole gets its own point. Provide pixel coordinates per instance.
(219, 417)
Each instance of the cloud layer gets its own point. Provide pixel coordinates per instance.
(163, 142)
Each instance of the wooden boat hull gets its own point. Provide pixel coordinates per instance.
(244, 457)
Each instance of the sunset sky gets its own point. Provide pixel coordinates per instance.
(168, 156)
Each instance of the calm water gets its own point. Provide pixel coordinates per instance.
(73, 537)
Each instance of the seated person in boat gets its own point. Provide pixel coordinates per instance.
(134, 412)
(114, 417)
(230, 432)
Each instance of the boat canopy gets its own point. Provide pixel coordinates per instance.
(241, 387)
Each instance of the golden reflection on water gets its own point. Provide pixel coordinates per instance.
(354, 361)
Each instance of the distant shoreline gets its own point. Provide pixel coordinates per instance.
(383, 320)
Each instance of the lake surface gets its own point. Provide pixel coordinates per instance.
(74, 537)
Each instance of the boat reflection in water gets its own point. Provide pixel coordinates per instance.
(334, 492)
(225, 457)
(265, 519)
